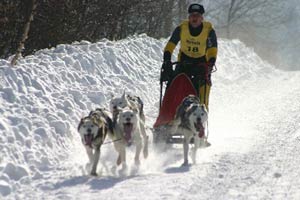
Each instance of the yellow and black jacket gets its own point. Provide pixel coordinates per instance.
(196, 44)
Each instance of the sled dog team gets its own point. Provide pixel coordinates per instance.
(124, 125)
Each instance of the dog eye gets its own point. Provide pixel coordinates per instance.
(131, 115)
(202, 114)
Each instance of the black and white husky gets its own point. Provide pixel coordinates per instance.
(190, 120)
(93, 130)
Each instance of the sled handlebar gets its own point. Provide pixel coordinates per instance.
(201, 64)
(190, 63)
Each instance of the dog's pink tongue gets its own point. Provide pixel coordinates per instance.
(128, 129)
(88, 139)
(201, 130)
(199, 127)
(201, 133)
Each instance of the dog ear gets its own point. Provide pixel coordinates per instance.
(203, 107)
(191, 109)
(126, 98)
(196, 99)
(123, 95)
(91, 112)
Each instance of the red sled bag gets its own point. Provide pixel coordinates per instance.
(180, 87)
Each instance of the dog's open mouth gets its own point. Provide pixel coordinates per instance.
(199, 127)
(88, 139)
(128, 127)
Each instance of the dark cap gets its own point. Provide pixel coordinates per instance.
(196, 8)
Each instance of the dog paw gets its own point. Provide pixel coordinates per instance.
(94, 174)
(123, 171)
(137, 162)
(185, 163)
(88, 167)
(204, 144)
(113, 170)
(194, 161)
(145, 153)
(134, 170)
(193, 156)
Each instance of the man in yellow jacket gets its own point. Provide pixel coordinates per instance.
(197, 53)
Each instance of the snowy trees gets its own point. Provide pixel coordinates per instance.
(12, 20)
(66, 21)
(258, 23)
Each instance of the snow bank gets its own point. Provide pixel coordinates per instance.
(43, 98)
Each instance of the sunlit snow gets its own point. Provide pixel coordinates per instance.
(254, 126)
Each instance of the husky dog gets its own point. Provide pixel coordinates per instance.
(190, 120)
(129, 127)
(136, 105)
(93, 130)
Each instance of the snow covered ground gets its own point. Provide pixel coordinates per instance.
(254, 126)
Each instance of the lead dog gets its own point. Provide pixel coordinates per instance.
(93, 130)
(190, 118)
(123, 105)
(128, 126)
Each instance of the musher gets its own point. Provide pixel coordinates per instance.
(197, 53)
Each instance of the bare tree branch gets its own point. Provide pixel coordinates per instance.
(25, 33)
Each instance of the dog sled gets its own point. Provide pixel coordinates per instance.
(179, 88)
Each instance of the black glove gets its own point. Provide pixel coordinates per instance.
(166, 71)
(210, 67)
(211, 64)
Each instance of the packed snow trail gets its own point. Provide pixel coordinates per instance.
(253, 123)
